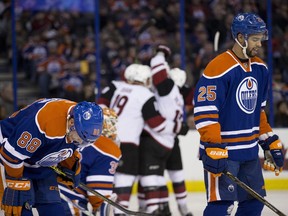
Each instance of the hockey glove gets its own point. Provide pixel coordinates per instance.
(273, 155)
(214, 158)
(19, 193)
(71, 167)
(184, 129)
(106, 208)
(166, 50)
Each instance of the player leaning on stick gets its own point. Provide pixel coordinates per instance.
(43, 134)
(229, 114)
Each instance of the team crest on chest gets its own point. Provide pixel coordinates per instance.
(55, 157)
(246, 94)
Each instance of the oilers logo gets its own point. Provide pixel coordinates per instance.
(246, 94)
(54, 158)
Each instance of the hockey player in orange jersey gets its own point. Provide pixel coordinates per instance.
(229, 114)
(43, 134)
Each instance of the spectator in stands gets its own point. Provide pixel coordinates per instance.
(49, 71)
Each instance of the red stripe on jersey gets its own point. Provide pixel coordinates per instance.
(155, 121)
(159, 76)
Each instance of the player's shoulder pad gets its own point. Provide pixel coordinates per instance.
(54, 111)
(107, 146)
(220, 65)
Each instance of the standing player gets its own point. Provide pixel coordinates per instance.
(99, 162)
(135, 105)
(229, 114)
(174, 164)
(43, 134)
(156, 148)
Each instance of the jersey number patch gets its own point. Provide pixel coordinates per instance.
(119, 104)
(27, 141)
(207, 93)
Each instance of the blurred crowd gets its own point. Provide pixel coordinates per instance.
(57, 52)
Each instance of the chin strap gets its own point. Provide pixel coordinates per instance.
(243, 47)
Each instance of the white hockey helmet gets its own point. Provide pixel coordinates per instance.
(138, 73)
(178, 76)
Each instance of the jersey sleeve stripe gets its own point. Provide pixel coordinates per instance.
(155, 122)
(205, 124)
(7, 157)
(205, 108)
(11, 150)
(210, 133)
(207, 116)
(102, 178)
(13, 170)
(103, 192)
(159, 77)
(11, 165)
(100, 185)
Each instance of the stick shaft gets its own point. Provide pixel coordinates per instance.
(111, 202)
(253, 193)
(216, 41)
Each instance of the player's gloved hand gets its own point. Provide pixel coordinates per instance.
(109, 210)
(95, 202)
(166, 50)
(99, 205)
(184, 129)
(71, 167)
(18, 194)
(214, 158)
(274, 158)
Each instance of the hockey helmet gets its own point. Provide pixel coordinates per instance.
(247, 24)
(138, 72)
(178, 76)
(88, 121)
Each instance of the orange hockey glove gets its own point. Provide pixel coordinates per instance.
(274, 157)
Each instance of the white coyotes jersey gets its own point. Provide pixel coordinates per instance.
(171, 108)
(128, 101)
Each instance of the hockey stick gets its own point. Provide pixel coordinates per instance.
(144, 27)
(86, 188)
(216, 41)
(253, 193)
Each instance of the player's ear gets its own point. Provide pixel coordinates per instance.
(241, 38)
(70, 123)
